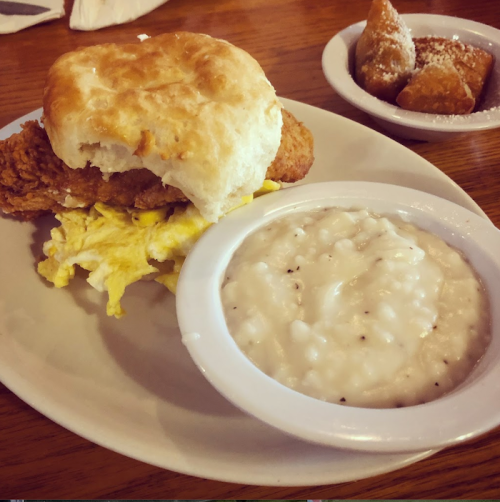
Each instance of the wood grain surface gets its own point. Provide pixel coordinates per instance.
(41, 460)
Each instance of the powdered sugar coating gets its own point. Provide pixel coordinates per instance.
(385, 54)
(472, 63)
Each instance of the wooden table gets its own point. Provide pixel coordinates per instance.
(39, 459)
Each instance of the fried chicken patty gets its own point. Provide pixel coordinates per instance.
(34, 181)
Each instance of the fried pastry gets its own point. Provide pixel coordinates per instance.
(473, 64)
(437, 88)
(385, 53)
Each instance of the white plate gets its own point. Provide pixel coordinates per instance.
(130, 384)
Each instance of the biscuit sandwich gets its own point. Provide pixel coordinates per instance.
(142, 147)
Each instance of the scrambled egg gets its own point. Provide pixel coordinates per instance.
(121, 246)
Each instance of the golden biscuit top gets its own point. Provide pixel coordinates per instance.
(184, 105)
(168, 77)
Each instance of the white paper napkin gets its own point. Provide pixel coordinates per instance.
(11, 24)
(94, 14)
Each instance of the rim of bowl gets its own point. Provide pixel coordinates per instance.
(469, 410)
(335, 63)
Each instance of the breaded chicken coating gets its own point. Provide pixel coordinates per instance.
(34, 181)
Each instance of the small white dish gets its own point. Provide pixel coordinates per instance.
(338, 64)
(469, 410)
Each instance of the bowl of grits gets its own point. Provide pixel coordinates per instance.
(357, 315)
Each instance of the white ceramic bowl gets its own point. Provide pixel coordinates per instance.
(471, 409)
(338, 64)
